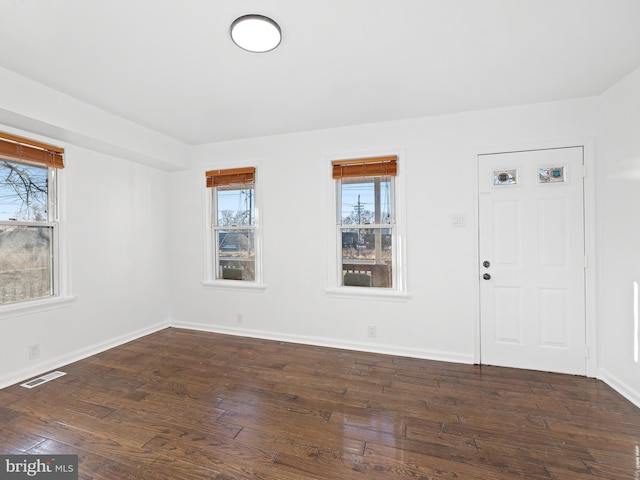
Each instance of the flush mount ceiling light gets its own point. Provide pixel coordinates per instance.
(256, 33)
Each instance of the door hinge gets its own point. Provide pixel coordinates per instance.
(584, 171)
(586, 261)
(586, 351)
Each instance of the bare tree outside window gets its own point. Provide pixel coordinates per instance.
(234, 227)
(23, 192)
(366, 229)
(235, 207)
(26, 237)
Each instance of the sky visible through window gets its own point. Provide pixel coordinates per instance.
(236, 206)
(358, 201)
(23, 191)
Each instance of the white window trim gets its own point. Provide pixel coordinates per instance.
(29, 307)
(334, 273)
(210, 280)
(62, 296)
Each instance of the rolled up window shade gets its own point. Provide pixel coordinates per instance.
(29, 151)
(231, 176)
(365, 167)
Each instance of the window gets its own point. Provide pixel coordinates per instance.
(366, 221)
(233, 224)
(29, 223)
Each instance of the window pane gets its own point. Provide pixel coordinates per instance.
(23, 192)
(367, 251)
(25, 263)
(236, 255)
(235, 206)
(366, 200)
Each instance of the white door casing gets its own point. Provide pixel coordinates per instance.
(531, 231)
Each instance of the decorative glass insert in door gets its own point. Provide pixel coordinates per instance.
(551, 175)
(505, 177)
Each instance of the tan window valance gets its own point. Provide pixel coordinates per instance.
(231, 176)
(29, 151)
(365, 167)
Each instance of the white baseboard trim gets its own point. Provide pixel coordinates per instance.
(62, 360)
(38, 369)
(621, 387)
(330, 343)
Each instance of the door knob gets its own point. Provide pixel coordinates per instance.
(486, 276)
(486, 264)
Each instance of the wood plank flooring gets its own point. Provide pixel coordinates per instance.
(182, 404)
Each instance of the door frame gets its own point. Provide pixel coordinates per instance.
(590, 234)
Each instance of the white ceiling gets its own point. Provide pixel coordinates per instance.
(170, 64)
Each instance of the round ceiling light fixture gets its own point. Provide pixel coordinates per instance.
(256, 33)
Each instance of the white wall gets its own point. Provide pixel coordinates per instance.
(439, 319)
(117, 242)
(136, 233)
(619, 239)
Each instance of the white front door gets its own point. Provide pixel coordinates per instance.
(532, 259)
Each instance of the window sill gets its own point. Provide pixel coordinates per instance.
(235, 285)
(34, 306)
(364, 293)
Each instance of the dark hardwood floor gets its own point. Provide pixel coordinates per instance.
(181, 404)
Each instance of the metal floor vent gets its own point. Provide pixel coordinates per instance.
(43, 379)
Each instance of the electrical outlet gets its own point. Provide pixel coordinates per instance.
(238, 318)
(34, 351)
(372, 331)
